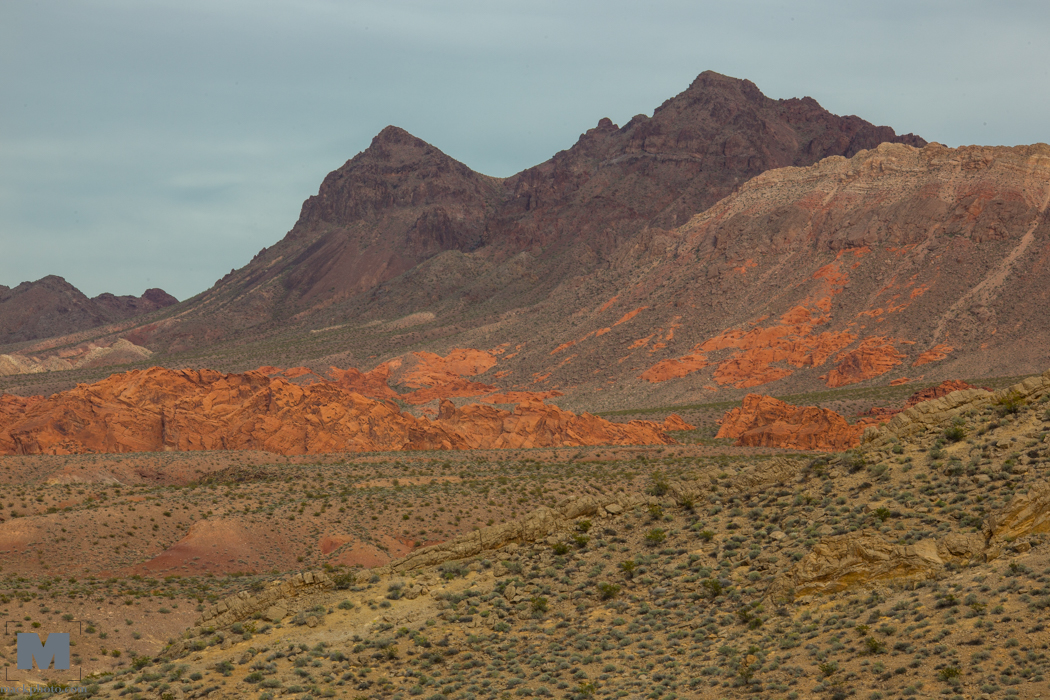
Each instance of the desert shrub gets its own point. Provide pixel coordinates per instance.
(1008, 404)
(560, 548)
(874, 646)
(712, 587)
(608, 591)
(854, 461)
(629, 568)
(955, 433)
(818, 467)
(453, 569)
(655, 537)
(344, 579)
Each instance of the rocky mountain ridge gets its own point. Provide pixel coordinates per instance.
(401, 203)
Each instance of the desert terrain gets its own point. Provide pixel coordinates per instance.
(913, 565)
(742, 399)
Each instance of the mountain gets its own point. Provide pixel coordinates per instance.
(402, 203)
(728, 242)
(53, 307)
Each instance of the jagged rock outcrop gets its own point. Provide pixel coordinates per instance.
(767, 472)
(930, 415)
(930, 393)
(277, 601)
(160, 409)
(1025, 514)
(88, 355)
(768, 422)
(866, 556)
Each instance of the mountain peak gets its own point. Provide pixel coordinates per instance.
(395, 135)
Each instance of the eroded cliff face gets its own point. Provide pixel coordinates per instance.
(160, 409)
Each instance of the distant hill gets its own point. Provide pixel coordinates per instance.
(53, 307)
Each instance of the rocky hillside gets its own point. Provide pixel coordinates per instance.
(53, 307)
(916, 566)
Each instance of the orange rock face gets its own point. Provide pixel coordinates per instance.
(11, 407)
(160, 409)
(873, 358)
(535, 424)
(763, 421)
(675, 368)
(934, 354)
(431, 376)
(791, 342)
(675, 422)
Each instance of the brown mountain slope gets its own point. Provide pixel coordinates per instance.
(897, 263)
(505, 243)
(53, 307)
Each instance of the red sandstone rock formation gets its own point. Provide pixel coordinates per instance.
(763, 421)
(873, 358)
(160, 409)
(935, 392)
(675, 422)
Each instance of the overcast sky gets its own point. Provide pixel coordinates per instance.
(162, 143)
